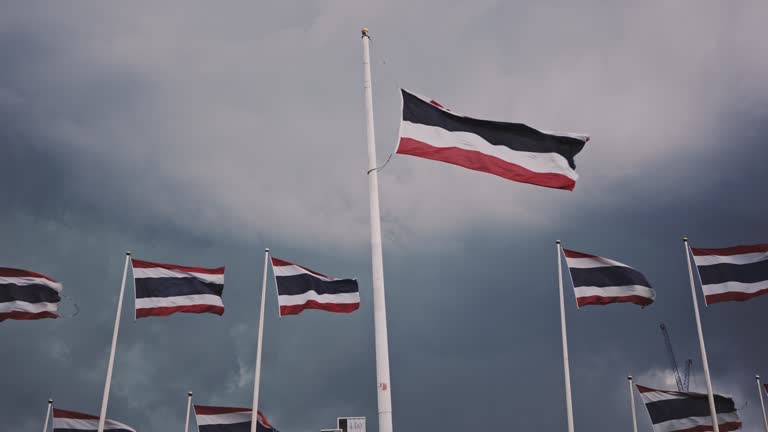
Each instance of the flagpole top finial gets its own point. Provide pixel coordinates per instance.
(364, 31)
(189, 394)
(50, 401)
(685, 239)
(757, 377)
(266, 249)
(557, 241)
(128, 253)
(629, 377)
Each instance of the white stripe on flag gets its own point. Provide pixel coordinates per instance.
(592, 262)
(293, 270)
(153, 302)
(22, 306)
(690, 422)
(88, 424)
(342, 298)
(656, 396)
(619, 291)
(159, 272)
(228, 418)
(439, 137)
(747, 258)
(741, 287)
(26, 280)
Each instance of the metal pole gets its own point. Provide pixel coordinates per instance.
(762, 405)
(110, 365)
(566, 367)
(384, 391)
(189, 407)
(632, 401)
(48, 414)
(257, 371)
(704, 362)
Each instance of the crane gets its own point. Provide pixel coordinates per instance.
(684, 380)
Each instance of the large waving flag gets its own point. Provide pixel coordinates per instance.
(734, 273)
(299, 288)
(513, 151)
(599, 281)
(26, 295)
(71, 421)
(228, 419)
(673, 411)
(164, 289)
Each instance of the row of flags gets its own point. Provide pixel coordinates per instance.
(208, 418)
(166, 289)
(727, 274)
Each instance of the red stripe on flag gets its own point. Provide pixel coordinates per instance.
(147, 264)
(19, 315)
(168, 310)
(478, 161)
(60, 413)
(213, 410)
(313, 304)
(12, 272)
(600, 300)
(734, 296)
(277, 262)
(735, 250)
(724, 427)
(574, 254)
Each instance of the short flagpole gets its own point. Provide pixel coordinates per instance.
(762, 405)
(704, 362)
(632, 401)
(189, 408)
(48, 414)
(257, 371)
(384, 392)
(110, 365)
(566, 367)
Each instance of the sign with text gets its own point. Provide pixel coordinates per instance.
(351, 424)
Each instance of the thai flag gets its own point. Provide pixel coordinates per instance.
(26, 295)
(228, 419)
(71, 421)
(674, 411)
(164, 289)
(598, 281)
(513, 151)
(299, 288)
(734, 273)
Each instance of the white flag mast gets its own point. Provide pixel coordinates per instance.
(384, 395)
(257, 371)
(189, 406)
(566, 367)
(704, 362)
(48, 414)
(110, 365)
(632, 401)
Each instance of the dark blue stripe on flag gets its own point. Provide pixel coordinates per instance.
(302, 283)
(174, 287)
(608, 277)
(698, 406)
(746, 273)
(28, 293)
(234, 427)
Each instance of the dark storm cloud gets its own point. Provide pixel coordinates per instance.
(200, 137)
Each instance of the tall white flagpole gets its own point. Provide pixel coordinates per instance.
(108, 383)
(48, 414)
(762, 405)
(566, 367)
(632, 401)
(384, 392)
(189, 407)
(257, 371)
(704, 362)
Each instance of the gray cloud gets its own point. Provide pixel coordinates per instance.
(200, 135)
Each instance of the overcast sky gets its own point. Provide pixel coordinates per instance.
(199, 133)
